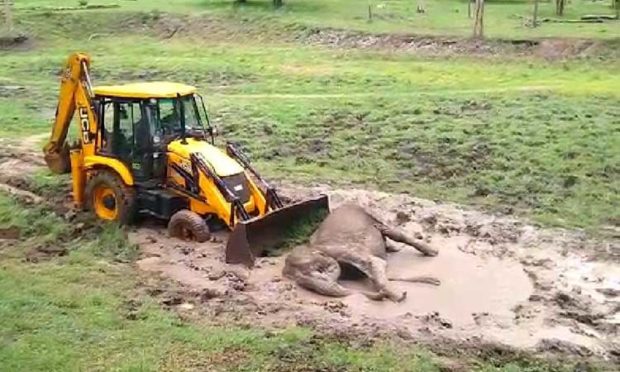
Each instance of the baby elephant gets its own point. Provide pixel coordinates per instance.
(354, 239)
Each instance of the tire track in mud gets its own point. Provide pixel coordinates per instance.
(507, 283)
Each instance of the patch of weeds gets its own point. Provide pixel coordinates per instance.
(298, 232)
(36, 222)
(44, 182)
(111, 241)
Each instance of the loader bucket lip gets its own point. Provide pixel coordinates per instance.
(58, 163)
(249, 239)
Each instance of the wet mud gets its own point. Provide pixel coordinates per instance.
(504, 282)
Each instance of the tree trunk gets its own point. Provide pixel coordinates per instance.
(469, 8)
(421, 7)
(479, 19)
(277, 3)
(8, 16)
(535, 15)
(559, 7)
(618, 9)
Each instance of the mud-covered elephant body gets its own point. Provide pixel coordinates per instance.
(350, 237)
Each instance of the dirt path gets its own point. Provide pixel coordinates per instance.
(19, 158)
(504, 281)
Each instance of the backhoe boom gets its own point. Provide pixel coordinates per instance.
(75, 90)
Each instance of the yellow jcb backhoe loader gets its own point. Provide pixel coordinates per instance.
(149, 148)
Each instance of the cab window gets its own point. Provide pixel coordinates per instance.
(169, 110)
(169, 118)
(120, 120)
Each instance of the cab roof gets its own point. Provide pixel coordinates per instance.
(145, 90)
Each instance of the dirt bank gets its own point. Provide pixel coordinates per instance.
(167, 26)
(210, 28)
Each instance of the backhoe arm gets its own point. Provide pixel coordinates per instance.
(75, 82)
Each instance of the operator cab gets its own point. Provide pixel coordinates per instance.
(138, 121)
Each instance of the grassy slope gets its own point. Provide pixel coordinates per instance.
(83, 311)
(443, 17)
(523, 135)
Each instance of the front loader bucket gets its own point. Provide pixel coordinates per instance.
(253, 238)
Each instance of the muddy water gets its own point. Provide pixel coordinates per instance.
(470, 285)
(529, 294)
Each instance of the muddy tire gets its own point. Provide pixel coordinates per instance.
(109, 198)
(188, 225)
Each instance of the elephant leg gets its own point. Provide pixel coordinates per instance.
(375, 269)
(417, 279)
(322, 285)
(390, 247)
(399, 236)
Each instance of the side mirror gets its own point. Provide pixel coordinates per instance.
(213, 131)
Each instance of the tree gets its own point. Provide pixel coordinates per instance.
(535, 15)
(559, 7)
(8, 16)
(421, 7)
(276, 3)
(479, 19)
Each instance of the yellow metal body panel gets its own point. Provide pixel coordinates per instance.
(145, 90)
(78, 176)
(121, 169)
(211, 201)
(222, 164)
(73, 97)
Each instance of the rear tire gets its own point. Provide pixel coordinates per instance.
(188, 225)
(109, 198)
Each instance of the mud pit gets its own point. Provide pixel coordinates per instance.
(503, 282)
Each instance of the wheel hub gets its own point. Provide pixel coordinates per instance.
(109, 202)
(104, 202)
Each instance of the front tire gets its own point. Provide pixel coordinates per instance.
(109, 198)
(188, 225)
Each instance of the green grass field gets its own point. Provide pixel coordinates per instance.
(516, 134)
